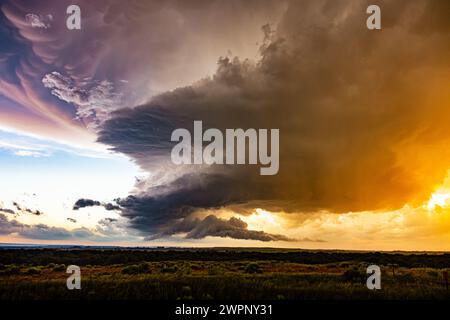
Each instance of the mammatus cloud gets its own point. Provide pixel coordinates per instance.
(94, 100)
(88, 71)
(39, 21)
(360, 128)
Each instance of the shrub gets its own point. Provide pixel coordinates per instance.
(184, 270)
(406, 277)
(169, 269)
(32, 271)
(10, 269)
(354, 275)
(207, 296)
(136, 269)
(214, 270)
(253, 268)
(59, 267)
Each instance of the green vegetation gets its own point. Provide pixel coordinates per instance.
(253, 268)
(58, 267)
(219, 274)
(136, 269)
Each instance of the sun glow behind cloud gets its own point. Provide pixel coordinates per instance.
(263, 220)
(438, 199)
(422, 227)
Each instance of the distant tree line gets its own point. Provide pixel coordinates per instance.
(126, 256)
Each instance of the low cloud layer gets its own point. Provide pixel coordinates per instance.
(216, 227)
(41, 231)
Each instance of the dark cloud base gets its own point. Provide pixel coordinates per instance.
(215, 227)
(83, 203)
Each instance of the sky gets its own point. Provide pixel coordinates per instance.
(86, 117)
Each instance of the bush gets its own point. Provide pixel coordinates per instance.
(10, 269)
(32, 271)
(354, 275)
(253, 268)
(136, 269)
(59, 267)
(169, 269)
(406, 277)
(184, 270)
(214, 270)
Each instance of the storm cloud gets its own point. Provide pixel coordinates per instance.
(363, 119)
(216, 227)
(83, 203)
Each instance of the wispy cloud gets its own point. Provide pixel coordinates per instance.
(21, 144)
(28, 153)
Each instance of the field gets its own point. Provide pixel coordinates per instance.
(185, 274)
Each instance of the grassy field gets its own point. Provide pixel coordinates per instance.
(219, 274)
